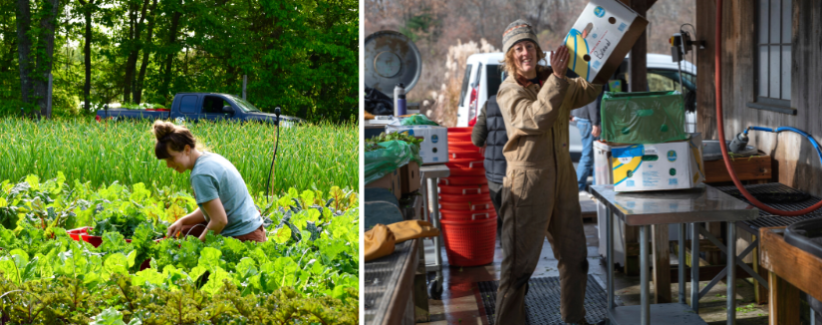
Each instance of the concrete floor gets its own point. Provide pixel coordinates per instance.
(459, 305)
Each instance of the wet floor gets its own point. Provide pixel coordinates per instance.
(459, 304)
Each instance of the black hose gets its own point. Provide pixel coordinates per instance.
(270, 171)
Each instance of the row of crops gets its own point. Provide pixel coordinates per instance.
(85, 207)
(306, 273)
(308, 157)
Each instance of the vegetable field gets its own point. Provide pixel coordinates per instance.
(306, 273)
(309, 157)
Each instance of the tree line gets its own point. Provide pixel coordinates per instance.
(299, 54)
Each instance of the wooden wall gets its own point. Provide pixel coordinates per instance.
(795, 160)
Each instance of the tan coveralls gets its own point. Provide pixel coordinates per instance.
(540, 196)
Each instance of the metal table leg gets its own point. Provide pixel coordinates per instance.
(435, 221)
(731, 254)
(695, 268)
(645, 309)
(681, 268)
(609, 251)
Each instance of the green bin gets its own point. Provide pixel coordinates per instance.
(643, 117)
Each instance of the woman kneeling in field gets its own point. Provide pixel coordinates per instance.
(225, 206)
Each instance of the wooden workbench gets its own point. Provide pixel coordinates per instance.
(789, 268)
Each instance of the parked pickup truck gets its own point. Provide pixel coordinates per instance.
(200, 106)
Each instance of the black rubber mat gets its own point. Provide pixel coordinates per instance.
(542, 301)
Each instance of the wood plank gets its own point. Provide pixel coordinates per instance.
(745, 168)
(421, 310)
(705, 97)
(715, 228)
(799, 268)
(706, 273)
(403, 293)
(704, 246)
(638, 62)
(783, 302)
(661, 264)
(760, 292)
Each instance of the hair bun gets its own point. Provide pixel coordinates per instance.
(163, 128)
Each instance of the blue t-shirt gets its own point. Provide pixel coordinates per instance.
(215, 177)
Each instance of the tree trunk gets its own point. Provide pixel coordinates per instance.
(43, 68)
(23, 17)
(134, 51)
(87, 54)
(172, 38)
(138, 86)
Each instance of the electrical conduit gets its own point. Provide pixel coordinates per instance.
(721, 130)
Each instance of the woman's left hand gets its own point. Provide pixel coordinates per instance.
(559, 61)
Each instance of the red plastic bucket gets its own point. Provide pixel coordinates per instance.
(467, 205)
(463, 180)
(465, 215)
(460, 137)
(455, 129)
(459, 171)
(470, 243)
(454, 156)
(81, 233)
(477, 164)
(462, 146)
(454, 198)
(464, 189)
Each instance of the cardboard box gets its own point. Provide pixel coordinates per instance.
(410, 177)
(650, 167)
(392, 181)
(601, 37)
(434, 147)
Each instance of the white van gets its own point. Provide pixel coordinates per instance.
(483, 75)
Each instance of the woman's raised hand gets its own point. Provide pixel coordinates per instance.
(559, 61)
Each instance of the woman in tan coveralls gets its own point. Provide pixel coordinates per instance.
(539, 195)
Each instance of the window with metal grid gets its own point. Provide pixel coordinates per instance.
(773, 55)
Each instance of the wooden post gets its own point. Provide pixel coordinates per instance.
(661, 263)
(245, 81)
(783, 302)
(638, 65)
(706, 97)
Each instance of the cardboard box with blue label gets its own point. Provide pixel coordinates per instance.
(434, 147)
(662, 166)
(601, 37)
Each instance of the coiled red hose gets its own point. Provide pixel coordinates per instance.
(721, 130)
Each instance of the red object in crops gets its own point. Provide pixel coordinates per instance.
(81, 233)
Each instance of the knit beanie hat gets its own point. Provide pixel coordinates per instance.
(517, 31)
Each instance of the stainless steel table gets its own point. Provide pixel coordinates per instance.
(430, 174)
(701, 204)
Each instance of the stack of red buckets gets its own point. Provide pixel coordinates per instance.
(469, 222)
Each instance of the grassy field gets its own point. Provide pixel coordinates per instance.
(318, 156)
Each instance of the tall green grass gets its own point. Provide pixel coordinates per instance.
(318, 156)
